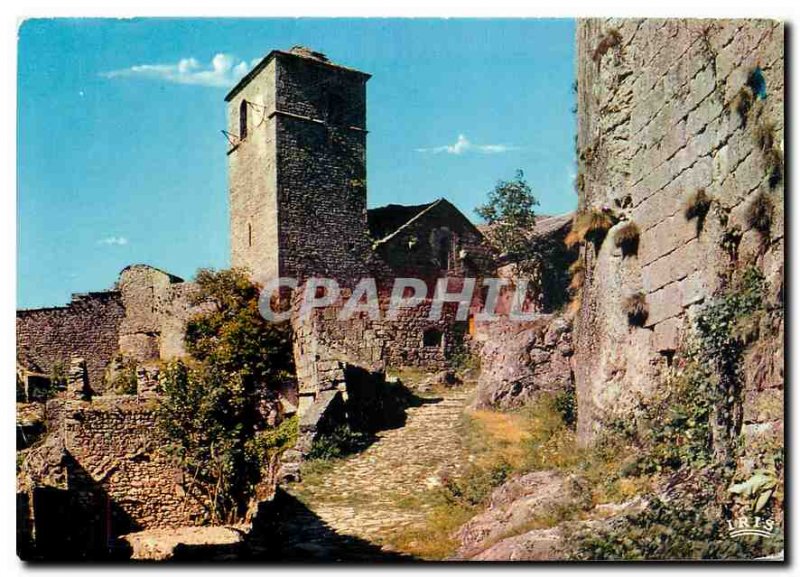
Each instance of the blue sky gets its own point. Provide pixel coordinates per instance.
(121, 159)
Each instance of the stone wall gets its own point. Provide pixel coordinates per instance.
(143, 318)
(157, 306)
(88, 327)
(323, 345)
(111, 439)
(666, 109)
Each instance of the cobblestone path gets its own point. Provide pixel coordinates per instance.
(349, 511)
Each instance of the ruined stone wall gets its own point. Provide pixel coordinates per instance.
(663, 113)
(157, 306)
(88, 328)
(323, 344)
(112, 444)
(143, 319)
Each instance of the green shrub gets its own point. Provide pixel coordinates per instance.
(474, 487)
(122, 376)
(210, 414)
(340, 442)
(681, 529)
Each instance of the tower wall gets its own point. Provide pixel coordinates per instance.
(298, 180)
(252, 178)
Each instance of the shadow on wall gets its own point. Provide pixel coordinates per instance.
(76, 524)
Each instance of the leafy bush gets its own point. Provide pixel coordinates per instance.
(122, 376)
(211, 414)
(668, 531)
(474, 487)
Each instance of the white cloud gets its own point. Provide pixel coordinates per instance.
(223, 71)
(113, 241)
(463, 144)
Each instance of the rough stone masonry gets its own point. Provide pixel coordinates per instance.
(661, 118)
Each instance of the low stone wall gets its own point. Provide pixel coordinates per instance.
(519, 360)
(114, 452)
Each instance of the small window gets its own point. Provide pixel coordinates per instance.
(443, 255)
(335, 109)
(249, 234)
(243, 120)
(432, 338)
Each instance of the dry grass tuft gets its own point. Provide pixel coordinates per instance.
(759, 213)
(626, 238)
(635, 306)
(743, 102)
(611, 39)
(577, 275)
(765, 135)
(580, 182)
(591, 226)
(572, 240)
(773, 158)
(697, 205)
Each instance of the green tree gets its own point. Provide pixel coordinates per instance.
(215, 404)
(510, 215)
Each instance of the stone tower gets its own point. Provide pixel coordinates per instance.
(297, 168)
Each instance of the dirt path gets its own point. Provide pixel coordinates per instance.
(350, 510)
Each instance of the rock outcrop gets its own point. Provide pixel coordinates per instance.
(519, 360)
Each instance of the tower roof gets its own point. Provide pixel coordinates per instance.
(303, 52)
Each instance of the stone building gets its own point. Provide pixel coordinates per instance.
(298, 208)
(297, 169)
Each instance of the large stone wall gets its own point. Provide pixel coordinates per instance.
(658, 121)
(87, 328)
